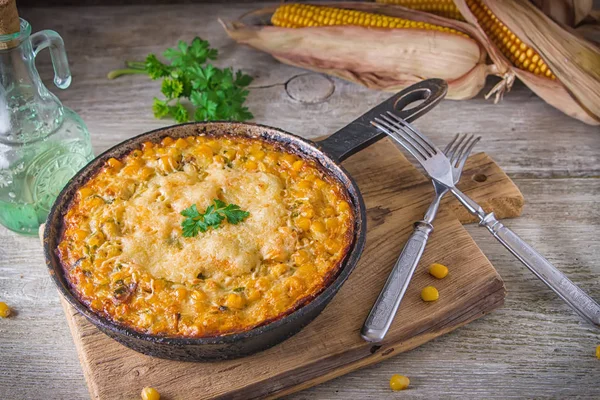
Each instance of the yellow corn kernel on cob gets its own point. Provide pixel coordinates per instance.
(443, 8)
(521, 55)
(306, 15)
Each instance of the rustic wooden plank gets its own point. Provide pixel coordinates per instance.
(495, 357)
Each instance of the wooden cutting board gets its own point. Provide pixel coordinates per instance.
(396, 195)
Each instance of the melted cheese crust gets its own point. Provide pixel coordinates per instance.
(124, 254)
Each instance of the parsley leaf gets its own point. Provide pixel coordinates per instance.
(213, 93)
(160, 108)
(211, 218)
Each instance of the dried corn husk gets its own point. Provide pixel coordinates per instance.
(384, 59)
(567, 12)
(574, 61)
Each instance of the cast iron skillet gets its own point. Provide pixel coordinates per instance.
(328, 153)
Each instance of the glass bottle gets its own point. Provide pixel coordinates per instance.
(42, 143)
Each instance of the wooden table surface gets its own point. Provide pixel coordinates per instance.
(532, 347)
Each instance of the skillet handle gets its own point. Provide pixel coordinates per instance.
(360, 133)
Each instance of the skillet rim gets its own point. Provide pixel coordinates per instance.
(317, 153)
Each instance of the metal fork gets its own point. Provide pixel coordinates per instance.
(384, 310)
(442, 170)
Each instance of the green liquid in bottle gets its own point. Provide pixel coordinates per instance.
(28, 189)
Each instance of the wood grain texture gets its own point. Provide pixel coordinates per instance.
(395, 194)
(532, 347)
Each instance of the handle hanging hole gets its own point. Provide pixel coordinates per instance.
(479, 178)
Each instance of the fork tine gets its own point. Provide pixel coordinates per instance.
(450, 144)
(467, 151)
(422, 149)
(415, 133)
(455, 147)
(455, 151)
(392, 132)
(454, 161)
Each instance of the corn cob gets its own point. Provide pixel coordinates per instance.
(443, 8)
(521, 55)
(306, 15)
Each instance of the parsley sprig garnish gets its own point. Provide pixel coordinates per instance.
(211, 93)
(211, 218)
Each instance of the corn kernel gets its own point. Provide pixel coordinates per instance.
(304, 184)
(320, 183)
(598, 352)
(438, 270)
(251, 165)
(214, 145)
(329, 211)
(85, 192)
(149, 393)
(168, 163)
(181, 293)
(303, 223)
(146, 172)
(96, 240)
(301, 257)
(429, 293)
(114, 163)
(167, 141)
(181, 143)
(203, 151)
(318, 227)
(399, 382)
(253, 294)
(147, 145)
(289, 159)
(279, 269)
(235, 301)
(4, 310)
(259, 155)
(343, 206)
(297, 165)
(332, 245)
(80, 234)
(131, 170)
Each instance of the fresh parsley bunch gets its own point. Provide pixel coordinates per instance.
(213, 93)
(211, 218)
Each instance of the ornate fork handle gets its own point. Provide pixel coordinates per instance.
(382, 314)
(574, 296)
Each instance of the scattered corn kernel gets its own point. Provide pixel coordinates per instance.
(5, 310)
(598, 352)
(399, 382)
(149, 393)
(438, 270)
(429, 293)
